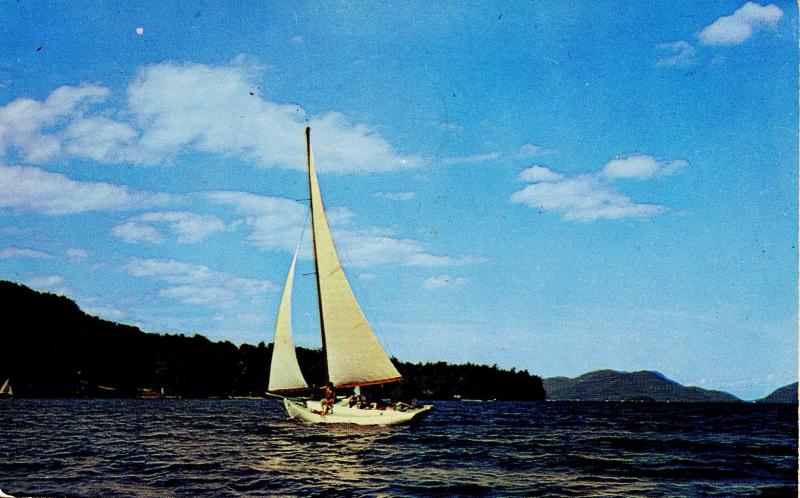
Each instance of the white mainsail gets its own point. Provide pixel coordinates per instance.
(353, 355)
(6, 388)
(284, 371)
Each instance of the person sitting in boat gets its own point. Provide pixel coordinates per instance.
(330, 398)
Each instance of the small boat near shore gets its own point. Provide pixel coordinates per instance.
(5, 390)
(353, 355)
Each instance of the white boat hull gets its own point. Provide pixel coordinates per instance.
(309, 411)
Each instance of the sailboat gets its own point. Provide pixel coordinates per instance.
(5, 389)
(353, 355)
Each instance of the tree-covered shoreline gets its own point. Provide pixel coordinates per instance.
(50, 348)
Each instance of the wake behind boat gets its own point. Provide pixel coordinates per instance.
(353, 355)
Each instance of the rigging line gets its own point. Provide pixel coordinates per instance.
(305, 225)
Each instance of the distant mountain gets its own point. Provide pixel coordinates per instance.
(785, 394)
(611, 385)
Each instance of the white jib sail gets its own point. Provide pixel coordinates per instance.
(284, 371)
(354, 356)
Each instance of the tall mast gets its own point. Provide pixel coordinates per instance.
(314, 246)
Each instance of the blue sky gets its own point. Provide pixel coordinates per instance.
(555, 186)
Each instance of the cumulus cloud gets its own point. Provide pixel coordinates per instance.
(76, 255)
(45, 281)
(430, 260)
(189, 227)
(590, 197)
(176, 108)
(539, 174)
(741, 25)
(21, 252)
(34, 189)
(442, 281)
(99, 138)
(276, 224)
(394, 196)
(49, 283)
(373, 246)
(640, 167)
(530, 150)
(583, 198)
(133, 232)
(366, 247)
(23, 122)
(675, 54)
(475, 158)
(107, 312)
(198, 284)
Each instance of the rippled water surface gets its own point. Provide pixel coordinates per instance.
(217, 448)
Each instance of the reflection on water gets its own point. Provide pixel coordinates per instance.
(180, 448)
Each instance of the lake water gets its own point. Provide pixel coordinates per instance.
(187, 448)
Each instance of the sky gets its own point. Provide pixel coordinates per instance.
(553, 186)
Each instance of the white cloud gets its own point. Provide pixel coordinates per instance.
(539, 174)
(589, 197)
(741, 25)
(199, 284)
(476, 158)
(675, 54)
(366, 276)
(200, 295)
(176, 108)
(442, 281)
(133, 232)
(21, 252)
(49, 283)
(339, 216)
(640, 167)
(46, 281)
(275, 222)
(530, 150)
(394, 196)
(99, 138)
(189, 227)
(360, 248)
(582, 198)
(106, 312)
(77, 255)
(250, 317)
(35, 189)
(23, 122)
(374, 247)
(429, 260)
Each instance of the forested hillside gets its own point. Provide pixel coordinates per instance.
(50, 348)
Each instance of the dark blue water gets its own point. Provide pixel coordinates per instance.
(164, 448)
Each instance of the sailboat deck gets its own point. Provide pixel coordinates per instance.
(310, 411)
